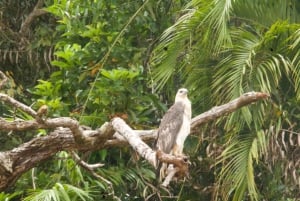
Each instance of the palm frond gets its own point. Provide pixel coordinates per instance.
(46, 195)
(76, 192)
(234, 73)
(167, 68)
(200, 76)
(250, 65)
(294, 40)
(218, 19)
(10, 196)
(237, 173)
(229, 48)
(175, 43)
(59, 192)
(205, 24)
(255, 11)
(296, 74)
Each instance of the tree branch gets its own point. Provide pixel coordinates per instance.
(68, 135)
(19, 160)
(36, 12)
(218, 111)
(11, 101)
(136, 143)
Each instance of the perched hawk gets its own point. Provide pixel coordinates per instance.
(174, 128)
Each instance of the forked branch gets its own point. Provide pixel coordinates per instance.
(67, 134)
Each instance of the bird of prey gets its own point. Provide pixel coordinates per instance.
(174, 128)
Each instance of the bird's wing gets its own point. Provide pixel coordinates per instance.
(169, 127)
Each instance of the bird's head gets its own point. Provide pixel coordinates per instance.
(181, 94)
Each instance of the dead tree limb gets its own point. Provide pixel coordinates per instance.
(218, 111)
(66, 134)
(136, 143)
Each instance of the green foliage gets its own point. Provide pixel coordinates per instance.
(27, 54)
(101, 55)
(222, 49)
(109, 60)
(8, 197)
(238, 159)
(50, 95)
(83, 85)
(65, 192)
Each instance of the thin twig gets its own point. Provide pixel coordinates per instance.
(33, 178)
(84, 164)
(91, 168)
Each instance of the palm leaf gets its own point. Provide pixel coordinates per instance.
(59, 192)
(227, 48)
(218, 19)
(237, 173)
(78, 192)
(294, 40)
(45, 195)
(234, 74)
(255, 11)
(174, 45)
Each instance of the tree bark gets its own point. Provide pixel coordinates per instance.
(68, 135)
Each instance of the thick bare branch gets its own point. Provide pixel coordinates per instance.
(218, 111)
(67, 133)
(136, 143)
(17, 161)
